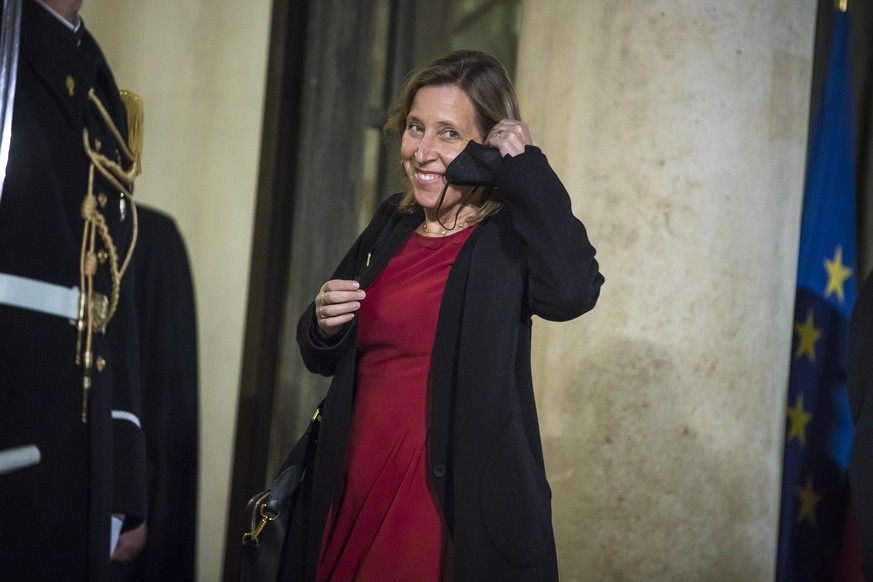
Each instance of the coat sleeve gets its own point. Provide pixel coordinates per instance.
(564, 278)
(129, 462)
(129, 495)
(320, 354)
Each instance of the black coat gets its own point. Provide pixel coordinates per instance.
(55, 516)
(168, 362)
(484, 452)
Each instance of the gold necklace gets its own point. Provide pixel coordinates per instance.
(444, 231)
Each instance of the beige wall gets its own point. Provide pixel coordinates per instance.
(200, 67)
(679, 127)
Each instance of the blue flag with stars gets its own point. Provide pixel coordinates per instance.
(819, 429)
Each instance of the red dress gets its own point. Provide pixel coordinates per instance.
(384, 524)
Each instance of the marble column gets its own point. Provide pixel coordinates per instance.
(680, 129)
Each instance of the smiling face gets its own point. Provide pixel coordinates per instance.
(439, 125)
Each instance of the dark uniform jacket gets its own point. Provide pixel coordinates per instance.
(485, 458)
(168, 363)
(55, 516)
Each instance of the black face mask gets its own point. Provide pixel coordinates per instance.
(476, 165)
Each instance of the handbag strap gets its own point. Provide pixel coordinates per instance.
(294, 467)
(269, 504)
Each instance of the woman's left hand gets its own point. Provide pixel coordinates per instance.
(510, 136)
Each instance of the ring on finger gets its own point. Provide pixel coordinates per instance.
(322, 300)
(499, 134)
(321, 314)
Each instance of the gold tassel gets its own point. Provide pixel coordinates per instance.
(94, 314)
(135, 113)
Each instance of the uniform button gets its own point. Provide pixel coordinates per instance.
(439, 471)
(101, 363)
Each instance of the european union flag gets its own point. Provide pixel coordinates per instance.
(819, 428)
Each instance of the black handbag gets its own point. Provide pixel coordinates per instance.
(270, 511)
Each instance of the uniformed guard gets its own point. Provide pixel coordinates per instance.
(74, 474)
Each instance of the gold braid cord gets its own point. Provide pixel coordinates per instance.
(93, 316)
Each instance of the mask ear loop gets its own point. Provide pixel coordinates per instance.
(458, 211)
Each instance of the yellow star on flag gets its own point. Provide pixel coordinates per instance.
(837, 275)
(808, 501)
(798, 419)
(807, 335)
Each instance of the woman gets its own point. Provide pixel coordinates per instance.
(429, 464)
